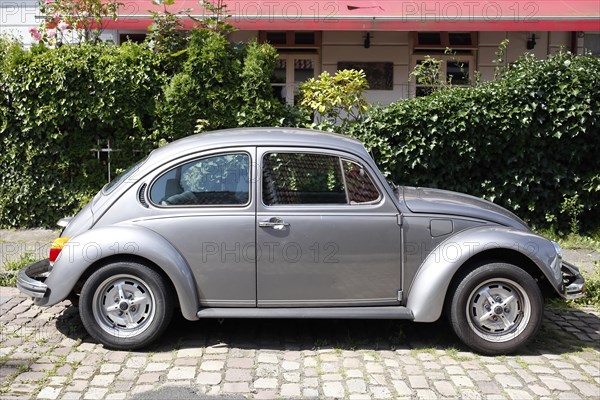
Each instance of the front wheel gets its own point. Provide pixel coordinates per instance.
(496, 308)
(125, 305)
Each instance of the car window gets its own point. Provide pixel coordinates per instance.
(217, 180)
(302, 178)
(361, 188)
(122, 177)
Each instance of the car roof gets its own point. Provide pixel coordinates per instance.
(258, 137)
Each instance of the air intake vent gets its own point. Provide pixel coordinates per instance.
(141, 196)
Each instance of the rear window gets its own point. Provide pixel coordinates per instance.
(122, 177)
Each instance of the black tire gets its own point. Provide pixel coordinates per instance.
(126, 305)
(502, 322)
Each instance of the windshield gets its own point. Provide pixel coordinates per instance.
(122, 177)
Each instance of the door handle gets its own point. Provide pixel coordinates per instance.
(274, 223)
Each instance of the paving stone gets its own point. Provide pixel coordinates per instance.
(426, 394)
(265, 383)
(290, 390)
(516, 394)
(49, 393)
(240, 363)
(267, 358)
(290, 365)
(381, 392)
(136, 362)
(156, 366)
(589, 390)
(402, 388)
(148, 377)
(554, 383)
(193, 352)
(332, 377)
(181, 373)
(333, 389)
(356, 385)
(107, 368)
(95, 393)
(212, 365)
(292, 377)
(508, 381)
(445, 388)
(209, 378)
(462, 380)
(236, 387)
(572, 375)
(237, 375)
(418, 382)
(354, 373)
(539, 369)
(84, 372)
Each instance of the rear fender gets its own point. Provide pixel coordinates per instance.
(93, 246)
(427, 293)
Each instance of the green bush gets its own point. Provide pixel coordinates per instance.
(527, 141)
(221, 85)
(55, 105)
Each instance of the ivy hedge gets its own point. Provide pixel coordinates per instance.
(57, 104)
(528, 141)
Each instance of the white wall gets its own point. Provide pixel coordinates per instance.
(546, 43)
(385, 47)
(17, 17)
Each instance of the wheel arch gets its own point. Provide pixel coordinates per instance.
(457, 255)
(112, 243)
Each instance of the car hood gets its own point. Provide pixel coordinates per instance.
(435, 201)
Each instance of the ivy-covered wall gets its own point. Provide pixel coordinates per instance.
(529, 141)
(58, 104)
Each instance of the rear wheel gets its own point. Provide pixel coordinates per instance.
(125, 305)
(496, 308)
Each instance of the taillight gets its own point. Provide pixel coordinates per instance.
(57, 247)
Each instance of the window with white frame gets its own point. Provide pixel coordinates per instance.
(454, 69)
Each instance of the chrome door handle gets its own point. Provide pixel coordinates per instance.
(274, 223)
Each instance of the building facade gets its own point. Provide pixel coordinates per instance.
(386, 39)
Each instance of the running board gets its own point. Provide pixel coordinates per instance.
(389, 312)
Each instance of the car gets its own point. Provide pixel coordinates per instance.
(293, 223)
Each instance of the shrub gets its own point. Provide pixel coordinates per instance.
(526, 141)
(55, 107)
(221, 85)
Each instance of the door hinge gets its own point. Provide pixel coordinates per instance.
(399, 219)
(400, 296)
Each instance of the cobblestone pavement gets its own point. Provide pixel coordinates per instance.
(46, 354)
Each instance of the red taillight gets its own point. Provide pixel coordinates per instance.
(57, 247)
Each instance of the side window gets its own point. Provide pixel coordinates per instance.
(302, 178)
(218, 180)
(361, 188)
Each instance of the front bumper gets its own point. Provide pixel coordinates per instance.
(30, 279)
(573, 282)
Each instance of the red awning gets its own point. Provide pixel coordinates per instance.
(385, 15)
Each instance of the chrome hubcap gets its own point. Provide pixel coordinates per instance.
(123, 306)
(498, 310)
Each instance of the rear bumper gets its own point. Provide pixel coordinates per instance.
(573, 282)
(30, 279)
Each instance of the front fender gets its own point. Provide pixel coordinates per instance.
(84, 250)
(428, 291)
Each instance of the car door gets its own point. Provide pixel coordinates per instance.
(205, 207)
(327, 235)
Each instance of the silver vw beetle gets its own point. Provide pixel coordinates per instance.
(289, 223)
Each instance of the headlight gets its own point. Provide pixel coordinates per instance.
(557, 248)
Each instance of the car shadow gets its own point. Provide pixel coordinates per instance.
(311, 334)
